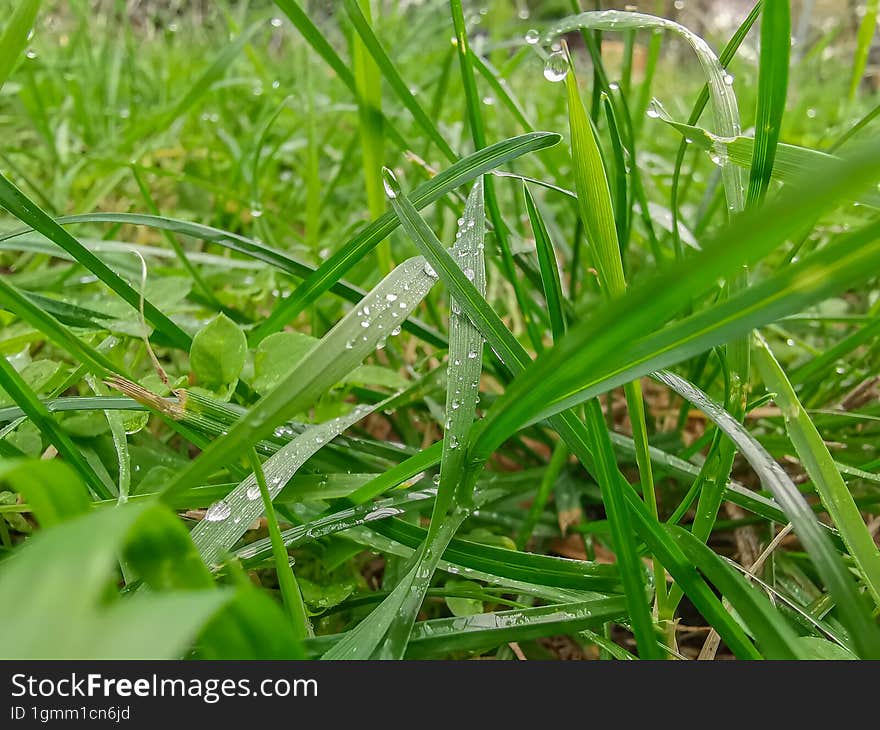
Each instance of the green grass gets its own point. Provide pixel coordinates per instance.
(324, 337)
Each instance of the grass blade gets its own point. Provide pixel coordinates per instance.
(772, 90)
(814, 455)
(346, 256)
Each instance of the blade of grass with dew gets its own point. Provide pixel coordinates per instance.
(290, 592)
(867, 29)
(229, 518)
(474, 108)
(726, 122)
(15, 35)
(427, 242)
(772, 91)
(817, 461)
(385, 632)
(724, 104)
(346, 256)
(17, 203)
(571, 429)
(791, 162)
(22, 394)
(727, 55)
(341, 350)
(440, 637)
(863, 630)
(597, 215)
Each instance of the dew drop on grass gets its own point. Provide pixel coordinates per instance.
(275, 22)
(395, 332)
(556, 67)
(653, 112)
(253, 492)
(391, 297)
(429, 270)
(218, 512)
(436, 479)
(532, 37)
(727, 79)
(472, 355)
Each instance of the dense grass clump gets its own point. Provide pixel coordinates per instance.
(324, 336)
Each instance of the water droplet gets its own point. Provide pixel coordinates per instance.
(429, 270)
(253, 492)
(532, 36)
(275, 22)
(218, 512)
(556, 67)
(365, 323)
(472, 355)
(436, 479)
(395, 332)
(391, 297)
(453, 442)
(256, 211)
(389, 182)
(469, 274)
(727, 79)
(366, 309)
(811, 113)
(653, 111)
(614, 86)
(679, 4)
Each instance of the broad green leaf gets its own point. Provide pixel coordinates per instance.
(52, 489)
(218, 351)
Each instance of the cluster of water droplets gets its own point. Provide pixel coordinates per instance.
(555, 60)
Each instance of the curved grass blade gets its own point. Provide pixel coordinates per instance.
(17, 203)
(228, 519)
(466, 169)
(339, 352)
(791, 162)
(22, 394)
(775, 636)
(814, 455)
(235, 242)
(22, 306)
(772, 90)
(864, 632)
(723, 99)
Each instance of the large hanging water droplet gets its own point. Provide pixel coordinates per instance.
(218, 512)
(556, 67)
(532, 36)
